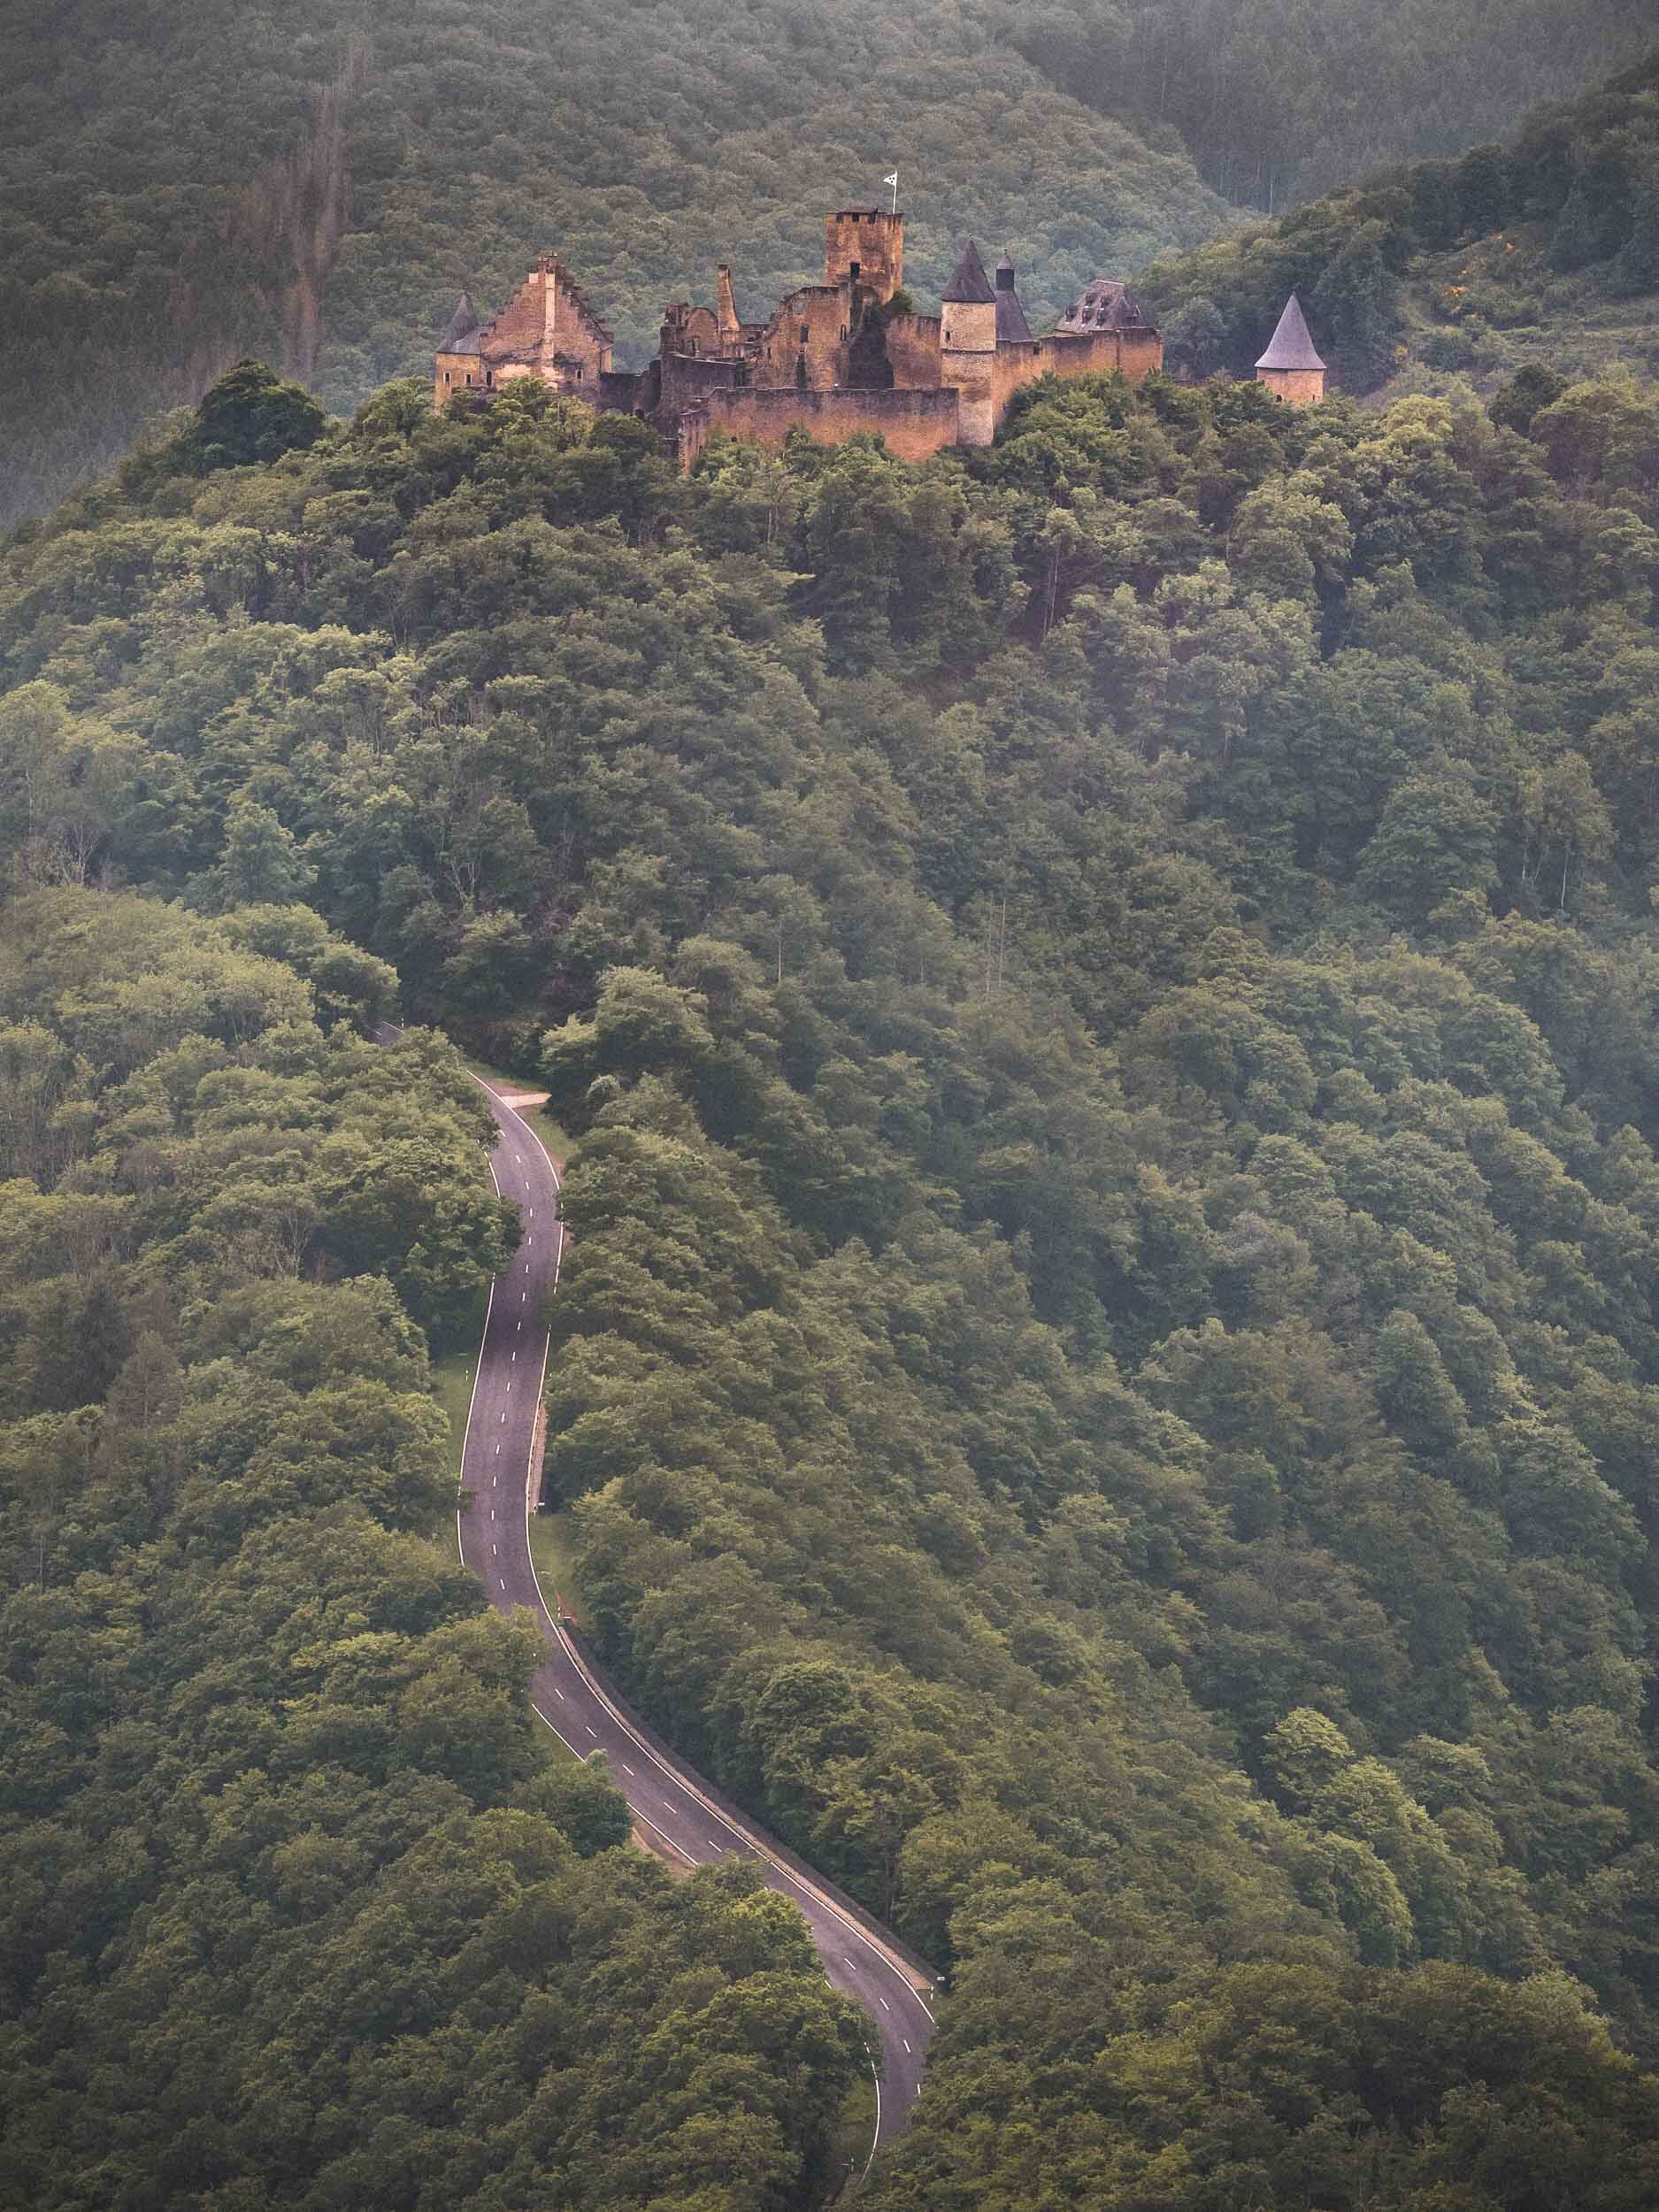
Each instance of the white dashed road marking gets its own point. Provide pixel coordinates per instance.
(594, 1732)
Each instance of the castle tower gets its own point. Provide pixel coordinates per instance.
(729, 322)
(458, 365)
(967, 356)
(864, 246)
(1290, 367)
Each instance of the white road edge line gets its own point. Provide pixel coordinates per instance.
(875, 2144)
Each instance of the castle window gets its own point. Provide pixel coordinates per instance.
(853, 267)
(805, 334)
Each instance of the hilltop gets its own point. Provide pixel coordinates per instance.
(317, 189)
(183, 184)
(1101, 991)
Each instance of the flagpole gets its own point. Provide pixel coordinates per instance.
(893, 182)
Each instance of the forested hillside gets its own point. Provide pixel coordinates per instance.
(296, 1910)
(1107, 1377)
(317, 185)
(1540, 254)
(185, 182)
(1286, 98)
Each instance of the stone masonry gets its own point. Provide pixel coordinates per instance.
(847, 356)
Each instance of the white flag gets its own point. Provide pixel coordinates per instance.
(892, 180)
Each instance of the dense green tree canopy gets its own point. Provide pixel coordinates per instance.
(1105, 1378)
(296, 1910)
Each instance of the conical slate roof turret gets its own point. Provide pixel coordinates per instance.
(461, 325)
(1012, 326)
(968, 280)
(1292, 348)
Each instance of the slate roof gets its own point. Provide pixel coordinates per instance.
(1292, 348)
(1104, 304)
(462, 332)
(968, 280)
(1012, 326)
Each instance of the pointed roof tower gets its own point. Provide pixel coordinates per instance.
(968, 280)
(1292, 348)
(461, 325)
(1012, 326)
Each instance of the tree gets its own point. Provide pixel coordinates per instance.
(250, 416)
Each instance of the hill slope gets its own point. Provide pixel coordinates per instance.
(316, 187)
(192, 181)
(1107, 1378)
(1545, 250)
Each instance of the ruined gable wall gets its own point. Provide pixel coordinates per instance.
(701, 332)
(517, 335)
(823, 314)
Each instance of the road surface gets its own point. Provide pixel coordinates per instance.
(493, 1528)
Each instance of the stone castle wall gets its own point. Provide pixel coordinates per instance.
(1135, 353)
(823, 314)
(1297, 388)
(912, 343)
(872, 239)
(952, 382)
(914, 424)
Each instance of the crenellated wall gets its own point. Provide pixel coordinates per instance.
(865, 245)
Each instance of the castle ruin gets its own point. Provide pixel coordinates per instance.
(846, 355)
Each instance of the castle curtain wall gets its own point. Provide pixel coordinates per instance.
(952, 380)
(914, 424)
(912, 342)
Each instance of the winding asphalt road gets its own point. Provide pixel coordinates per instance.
(677, 1809)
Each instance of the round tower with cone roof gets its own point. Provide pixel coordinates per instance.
(1292, 367)
(967, 347)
